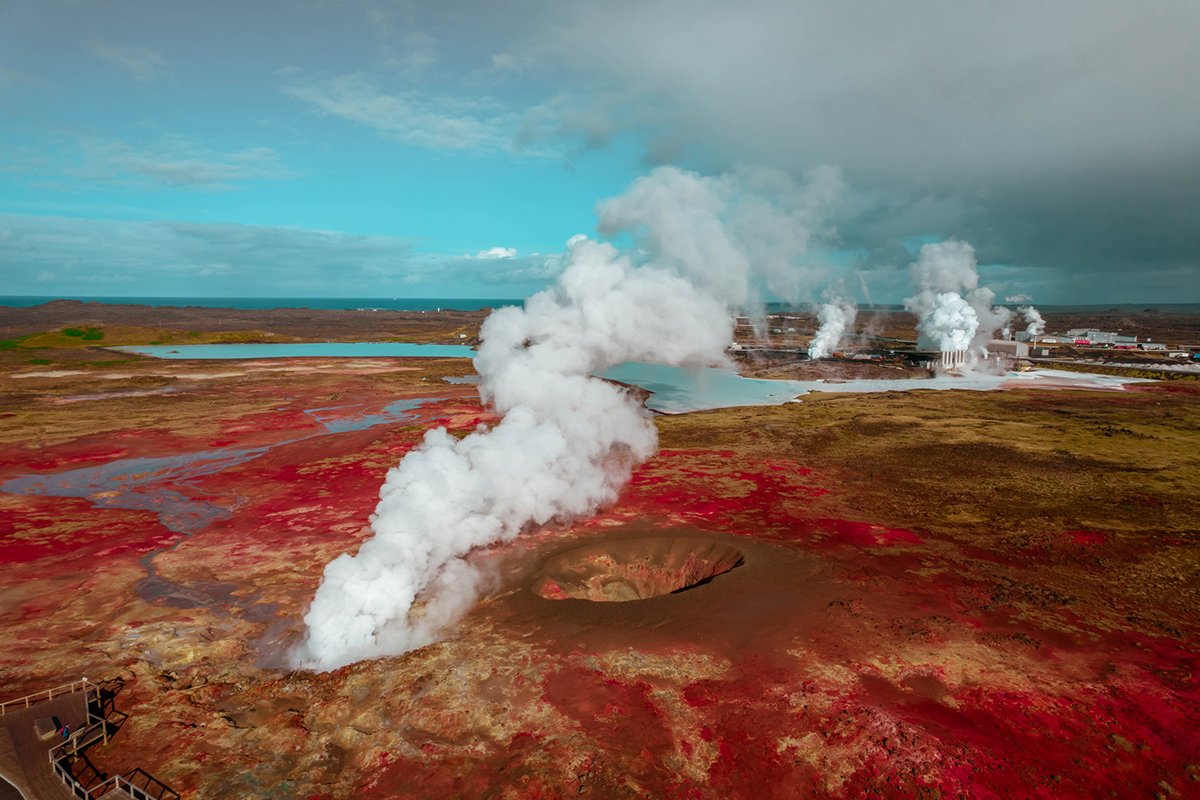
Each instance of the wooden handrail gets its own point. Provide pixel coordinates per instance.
(160, 790)
(97, 728)
(163, 792)
(79, 740)
(82, 684)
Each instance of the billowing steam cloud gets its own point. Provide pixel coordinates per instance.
(941, 274)
(836, 317)
(954, 312)
(567, 442)
(1036, 325)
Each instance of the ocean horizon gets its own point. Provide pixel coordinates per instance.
(476, 303)
(263, 303)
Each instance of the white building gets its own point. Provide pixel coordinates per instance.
(1008, 349)
(1093, 336)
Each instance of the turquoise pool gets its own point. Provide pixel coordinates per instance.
(674, 390)
(304, 350)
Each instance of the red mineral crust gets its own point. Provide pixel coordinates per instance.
(857, 618)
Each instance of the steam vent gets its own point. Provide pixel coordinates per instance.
(634, 569)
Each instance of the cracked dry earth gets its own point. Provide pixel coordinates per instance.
(939, 594)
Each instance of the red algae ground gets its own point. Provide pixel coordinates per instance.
(941, 596)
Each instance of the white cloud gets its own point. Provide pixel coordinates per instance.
(140, 63)
(414, 57)
(497, 252)
(177, 162)
(512, 63)
(403, 50)
(1017, 298)
(72, 256)
(439, 122)
(586, 121)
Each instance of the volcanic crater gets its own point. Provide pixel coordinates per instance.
(662, 589)
(621, 570)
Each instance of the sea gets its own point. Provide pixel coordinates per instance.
(323, 303)
(477, 303)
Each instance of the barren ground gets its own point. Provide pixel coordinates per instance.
(942, 594)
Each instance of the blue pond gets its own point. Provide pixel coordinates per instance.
(681, 389)
(674, 390)
(304, 350)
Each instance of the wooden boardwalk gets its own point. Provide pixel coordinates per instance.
(38, 763)
(24, 755)
(8, 791)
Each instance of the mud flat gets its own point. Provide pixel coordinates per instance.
(940, 593)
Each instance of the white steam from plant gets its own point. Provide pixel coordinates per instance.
(567, 442)
(1036, 325)
(836, 317)
(954, 313)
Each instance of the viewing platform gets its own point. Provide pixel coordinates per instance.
(39, 761)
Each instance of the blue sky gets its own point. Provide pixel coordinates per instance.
(359, 148)
(277, 123)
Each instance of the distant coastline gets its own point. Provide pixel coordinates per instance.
(475, 304)
(264, 303)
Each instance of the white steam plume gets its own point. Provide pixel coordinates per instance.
(567, 442)
(942, 272)
(991, 317)
(866, 290)
(954, 312)
(836, 317)
(1036, 325)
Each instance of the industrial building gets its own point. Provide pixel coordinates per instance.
(1004, 348)
(1091, 336)
(952, 359)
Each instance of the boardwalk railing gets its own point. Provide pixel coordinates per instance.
(142, 785)
(138, 784)
(49, 694)
(79, 740)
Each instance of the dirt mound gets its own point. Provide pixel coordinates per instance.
(634, 569)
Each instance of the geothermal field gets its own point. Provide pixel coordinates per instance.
(641, 399)
(907, 593)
